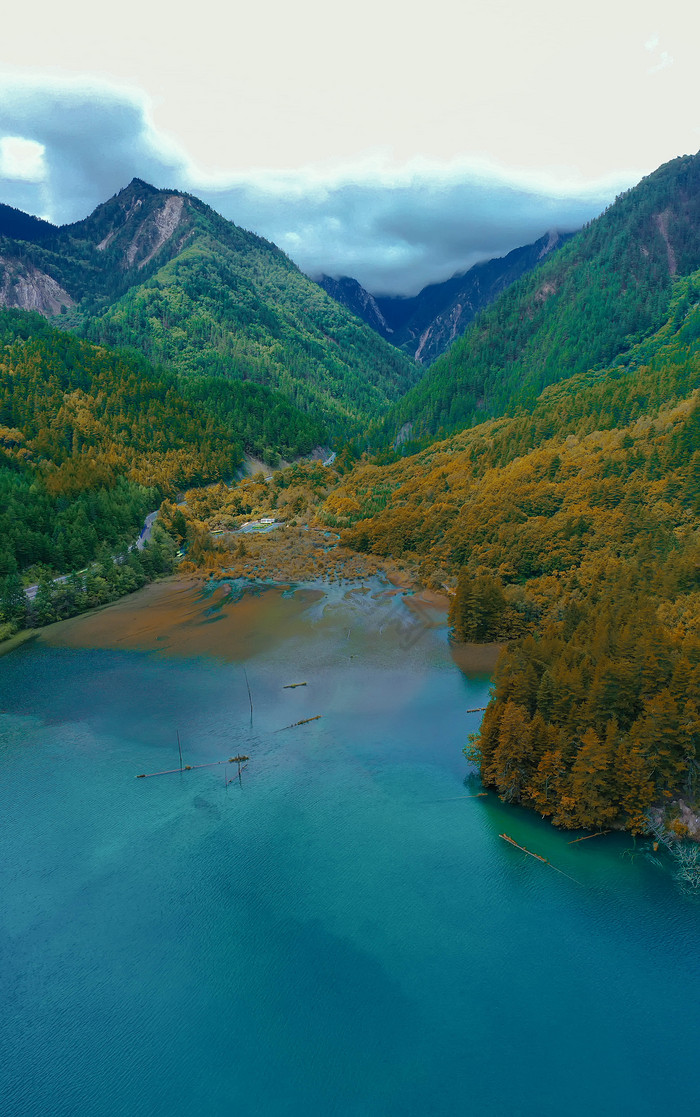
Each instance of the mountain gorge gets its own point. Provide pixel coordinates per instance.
(426, 324)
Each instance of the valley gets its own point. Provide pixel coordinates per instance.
(558, 517)
(349, 560)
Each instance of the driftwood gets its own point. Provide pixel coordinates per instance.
(304, 721)
(239, 760)
(528, 851)
(250, 697)
(537, 857)
(454, 798)
(186, 768)
(587, 836)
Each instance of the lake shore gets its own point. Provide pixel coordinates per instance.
(231, 619)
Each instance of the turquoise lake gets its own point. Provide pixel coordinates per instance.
(345, 933)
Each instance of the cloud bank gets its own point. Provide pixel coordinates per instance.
(66, 146)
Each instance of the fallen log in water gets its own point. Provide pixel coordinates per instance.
(186, 768)
(304, 721)
(454, 798)
(537, 857)
(291, 686)
(599, 834)
(528, 851)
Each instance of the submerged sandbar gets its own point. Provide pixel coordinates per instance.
(237, 619)
(187, 617)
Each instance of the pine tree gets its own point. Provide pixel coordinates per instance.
(43, 607)
(591, 778)
(509, 766)
(635, 785)
(477, 607)
(13, 601)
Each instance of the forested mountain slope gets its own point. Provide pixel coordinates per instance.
(573, 530)
(592, 300)
(161, 272)
(91, 440)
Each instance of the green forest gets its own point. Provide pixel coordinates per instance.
(92, 440)
(218, 309)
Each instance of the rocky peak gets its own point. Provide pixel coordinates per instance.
(138, 185)
(133, 225)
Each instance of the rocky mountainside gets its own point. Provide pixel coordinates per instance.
(426, 324)
(161, 272)
(46, 267)
(351, 294)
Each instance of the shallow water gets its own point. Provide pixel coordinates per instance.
(344, 933)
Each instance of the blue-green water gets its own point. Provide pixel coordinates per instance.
(339, 936)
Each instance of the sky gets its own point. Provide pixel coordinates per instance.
(396, 142)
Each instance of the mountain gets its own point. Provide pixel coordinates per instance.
(426, 324)
(161, 272)
(593, 299)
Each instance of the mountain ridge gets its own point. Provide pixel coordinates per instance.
(583, 307)
(161, 272)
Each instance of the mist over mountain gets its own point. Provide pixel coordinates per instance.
(426, 324)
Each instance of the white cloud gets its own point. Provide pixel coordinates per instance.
(23, 159)
(665, 60)
(395, 228)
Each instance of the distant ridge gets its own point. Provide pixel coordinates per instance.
(22, 226)
(351, 294)
(426, 324)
